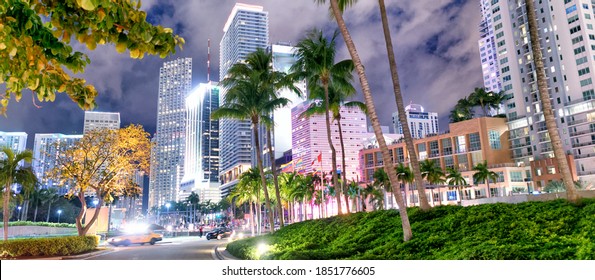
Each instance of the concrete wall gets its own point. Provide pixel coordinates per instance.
(525, 197)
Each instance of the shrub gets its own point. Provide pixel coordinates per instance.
(48, 247)
(41, 224)
(552, 230)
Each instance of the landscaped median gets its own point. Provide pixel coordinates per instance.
(48, 246)
(551, 230)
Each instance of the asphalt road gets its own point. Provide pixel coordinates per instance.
(177, 248)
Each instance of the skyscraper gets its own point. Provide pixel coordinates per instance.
(487, 49)
(201, 163)
(17, 141)
(46, 148)
(246, 29)
(309, 139)
(568, 45)
(283, 58)
(167, 159)
(101, 120)
(421, 123)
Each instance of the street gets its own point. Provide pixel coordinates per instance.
(177, 248)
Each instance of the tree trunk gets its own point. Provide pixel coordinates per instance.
(343, 170)
(550, 121)
(423, 200)
(47, 220)
(330, 143)
(262, 177)
(275, 180)
(35, 213)
(388, 166)
(5, 210)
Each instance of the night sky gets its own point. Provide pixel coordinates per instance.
(435, 42)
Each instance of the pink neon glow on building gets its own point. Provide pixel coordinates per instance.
(309, 139)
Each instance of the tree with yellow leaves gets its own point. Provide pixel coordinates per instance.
(103, 163)
(35, 44)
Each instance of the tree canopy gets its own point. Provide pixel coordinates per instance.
(36, 47)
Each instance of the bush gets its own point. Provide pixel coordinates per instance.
(48, 247)
(552, 230)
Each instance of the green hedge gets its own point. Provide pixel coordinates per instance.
(41, 224)
(48, 247)
(552, 230)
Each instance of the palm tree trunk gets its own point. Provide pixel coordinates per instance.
(275, 180)
(35, 212)
(388, 166)
(550, 121)
(423, 200)
(343, 170)
(5, 210)
(330, 143)
(47, 220)
(262, 177)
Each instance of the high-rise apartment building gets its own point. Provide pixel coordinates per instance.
(246, 29)
(421, 123)
(567, 41)
(201, 163)
(283, 58)
(309, 139)
(16, 141)
(487, 49)
(46, 149)
(95, 120)
(167, 159)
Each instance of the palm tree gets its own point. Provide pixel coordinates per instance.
(337, 11)
(484, 174)
(480, 97)
(316, 64)
(354, 192)
(432, 173)
(373, 196)
(49, 196)
(12, 172)
(548, 112)
(248, 97)
(382, 182)
(462, 111)
(455, 178)
(405, 176)
(193, 199)
(495, 100)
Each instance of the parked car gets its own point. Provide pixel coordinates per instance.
(141, 238)
(218, 233)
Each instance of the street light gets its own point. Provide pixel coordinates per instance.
(19, 212)
(59, 213)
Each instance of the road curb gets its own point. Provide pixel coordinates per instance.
(220, 253)
(87, 255)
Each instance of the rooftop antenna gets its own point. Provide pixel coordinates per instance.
(209, 61)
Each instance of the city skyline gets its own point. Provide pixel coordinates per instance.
(130, 86)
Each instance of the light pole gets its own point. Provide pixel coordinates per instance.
(59, 213)
(19, 212)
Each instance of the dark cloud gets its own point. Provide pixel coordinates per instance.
(435, 42)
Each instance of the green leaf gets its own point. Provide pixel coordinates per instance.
(121, 47)
(88, 5)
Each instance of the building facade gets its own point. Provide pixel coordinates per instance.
(167, 160)
(16, 141)
(467, 144)
(95, 120)
(421, 123)
(487, 49)
(568, 45)
(46, 149)
(201, 159)
(309, 139)
(246, 29)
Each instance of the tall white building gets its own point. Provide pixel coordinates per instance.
(95, 120)
(46, 149)
(567, 41)
(201, 162)
(421, 123)
(167, 159)
(246, 29)
(283, 58)
(16, 141)
(487, 49)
